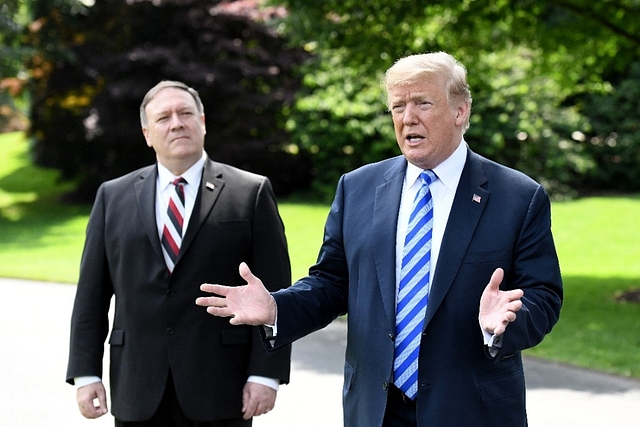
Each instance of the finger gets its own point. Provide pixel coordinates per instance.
(249, 408)
(102, 401)
(496, 279)
(211, 302)
(514, 306)
(91, 409)
(215, 289)
(514, 294)
(220, 311)
(87, 409)
(245, 273)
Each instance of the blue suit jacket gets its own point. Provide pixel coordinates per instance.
(459, 384)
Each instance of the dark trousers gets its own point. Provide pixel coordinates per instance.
(400, 410)
(169, 414)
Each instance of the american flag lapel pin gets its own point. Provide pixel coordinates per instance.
(476, 198)
(210, 186)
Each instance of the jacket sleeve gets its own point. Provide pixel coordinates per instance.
(535, 270)
(90, 316)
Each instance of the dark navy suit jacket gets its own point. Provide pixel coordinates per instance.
(459, 383)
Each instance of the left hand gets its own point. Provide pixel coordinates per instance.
(498, 308)
(257, 399)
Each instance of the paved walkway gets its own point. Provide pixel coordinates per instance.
(34, 330)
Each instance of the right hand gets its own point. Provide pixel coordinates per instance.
(86, 396)
(251, 304)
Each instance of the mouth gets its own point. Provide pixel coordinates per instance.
(414, 138)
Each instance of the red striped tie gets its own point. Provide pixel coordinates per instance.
(173, 227)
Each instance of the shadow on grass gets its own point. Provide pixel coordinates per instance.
(595, 331)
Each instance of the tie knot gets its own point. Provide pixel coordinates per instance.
(428, 176)
(178, 181)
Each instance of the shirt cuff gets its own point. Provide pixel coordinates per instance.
(271, 331)
(83, 381)
(493, 342)
(269, 382)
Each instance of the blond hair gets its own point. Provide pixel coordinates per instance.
(422, 67)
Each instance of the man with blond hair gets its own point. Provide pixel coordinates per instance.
(443, 260)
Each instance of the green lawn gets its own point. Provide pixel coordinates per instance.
(598, 241)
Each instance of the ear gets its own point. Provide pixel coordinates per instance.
(145, 132)
(462, 113)
(204, 126)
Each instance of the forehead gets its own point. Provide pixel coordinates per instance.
(170, 98)
(426, 88)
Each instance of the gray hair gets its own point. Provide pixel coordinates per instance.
(416, 68)
(164, 85)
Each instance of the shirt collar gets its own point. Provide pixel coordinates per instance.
(448, 172)
(191, 175)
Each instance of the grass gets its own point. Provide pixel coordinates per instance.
(40, 237)
(598, 241)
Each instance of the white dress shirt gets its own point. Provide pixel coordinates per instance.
(442, 191)
(193, 176)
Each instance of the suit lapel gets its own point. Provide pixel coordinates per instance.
(468, 204)
(211, 185)
(385, 219)
(145, 190)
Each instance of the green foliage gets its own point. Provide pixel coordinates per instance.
(614, 136)
(340, 120)
(13, 53)
(84, 114)
(527, 60)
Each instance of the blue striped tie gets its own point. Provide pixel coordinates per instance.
(413, 292)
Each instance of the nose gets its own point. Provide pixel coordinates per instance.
(409, 117)
(176, 123)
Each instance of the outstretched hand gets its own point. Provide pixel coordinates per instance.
(498, 308)
(251, 304)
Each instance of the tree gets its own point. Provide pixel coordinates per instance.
(13, 19)
(84, 116)
(527, 60)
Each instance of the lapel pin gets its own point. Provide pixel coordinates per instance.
(210, 186)
(476, 198)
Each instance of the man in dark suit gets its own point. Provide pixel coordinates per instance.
(171, 363)
(486, 285)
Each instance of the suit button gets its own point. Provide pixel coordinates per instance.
(391, 337)
(385, 385)
(170, 293)
(170, 331)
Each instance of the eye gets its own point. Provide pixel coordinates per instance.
(397, 108)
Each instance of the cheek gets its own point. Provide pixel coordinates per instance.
(397, 124)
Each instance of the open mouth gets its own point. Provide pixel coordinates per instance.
(414, 138)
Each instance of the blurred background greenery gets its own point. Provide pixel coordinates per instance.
(291, 87)
(292, 90)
